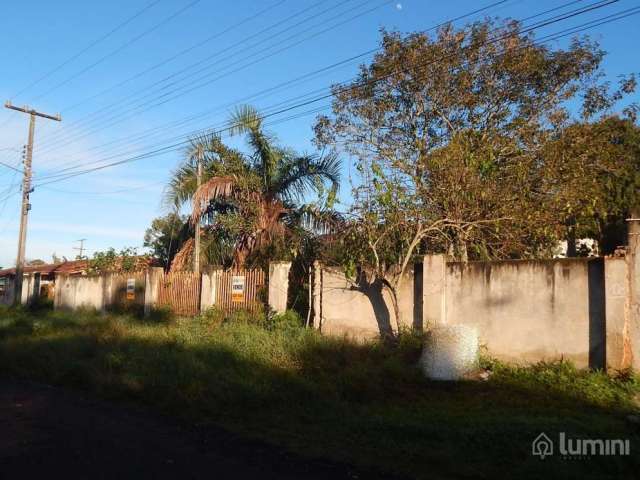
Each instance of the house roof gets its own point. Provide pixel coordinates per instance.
(72, 267)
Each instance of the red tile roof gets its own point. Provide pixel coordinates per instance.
(72, 267)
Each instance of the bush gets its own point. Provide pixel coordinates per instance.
(211, 317)
(287, 321)
(161, 314)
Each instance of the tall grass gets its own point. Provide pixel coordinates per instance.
(366, 404)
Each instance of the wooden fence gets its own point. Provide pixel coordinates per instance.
(240, 289)
(180, 291)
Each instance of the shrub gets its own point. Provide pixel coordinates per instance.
(288, 321)
(211, 317)
(161, 314)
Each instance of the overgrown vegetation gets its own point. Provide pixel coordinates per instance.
(481, 143)
(366, 404)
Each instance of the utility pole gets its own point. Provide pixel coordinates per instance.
(196, 256)
(26, 191)
(81, 247)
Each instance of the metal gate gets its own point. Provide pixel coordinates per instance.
(239, 289)
(180, 291)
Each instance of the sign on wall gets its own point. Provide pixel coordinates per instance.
(237, 288)
(131, 289)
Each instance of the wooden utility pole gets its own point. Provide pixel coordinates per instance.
(196, 256)
(81, 247)
(26, 191)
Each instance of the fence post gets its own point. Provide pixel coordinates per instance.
(278, 285)
(434, 294)
(153, 276)
(208, 285)
(317, 295)
(633, 291)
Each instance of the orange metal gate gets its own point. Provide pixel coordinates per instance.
(180, 291)
(229, 296)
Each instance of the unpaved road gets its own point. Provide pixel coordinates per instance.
(48, 432)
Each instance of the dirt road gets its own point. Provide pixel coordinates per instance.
(48, 432)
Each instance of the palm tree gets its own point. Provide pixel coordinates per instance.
(248, 201)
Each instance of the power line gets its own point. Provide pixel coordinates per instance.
(173, 57)
(119, 49)
(177, 146)
(529, 28)
(145, 91)
(87, 48)
(289, 82)
(161, 95)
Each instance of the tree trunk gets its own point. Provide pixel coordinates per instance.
(393, 291)
(571, 241)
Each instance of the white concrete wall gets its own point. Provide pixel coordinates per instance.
(278, 285)
(360, 312)
(74, 292)
(525, 311)
(93, 291)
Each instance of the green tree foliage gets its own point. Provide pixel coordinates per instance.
(166, 236)
(251, 204)
(594, 171)
(449, 135)
(111, 261)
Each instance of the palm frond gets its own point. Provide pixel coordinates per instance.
(299, 175)
(213, 189)
(247, 120)
(315, 220)
(183, 260)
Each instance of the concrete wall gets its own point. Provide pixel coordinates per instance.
(359, 310)
(74, 292)
(95, 291)
(632, 307)
(102, 291)
(278, 285)
(532, 310)
(525, 311)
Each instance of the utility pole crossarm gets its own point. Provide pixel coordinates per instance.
(31, 111)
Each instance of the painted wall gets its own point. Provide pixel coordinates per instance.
(97, 291)
(525, 311)
(359, 311)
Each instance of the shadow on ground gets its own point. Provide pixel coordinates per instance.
(363, 405)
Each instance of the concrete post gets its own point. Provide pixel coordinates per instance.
(434, 269)
(208, 287)
(317, 295)
(633, 301)
(153, 277)
(615, 284)
(278, 285)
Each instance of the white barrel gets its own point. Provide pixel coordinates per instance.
(449, 352)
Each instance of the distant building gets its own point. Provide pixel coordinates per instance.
(39, 279)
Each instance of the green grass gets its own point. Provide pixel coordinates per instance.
(367, 405)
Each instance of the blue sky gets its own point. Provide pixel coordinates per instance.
(118, 99)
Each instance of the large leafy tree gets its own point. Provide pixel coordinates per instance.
(166, 236)
(449, 135)
(593, 170)
(252, 204)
